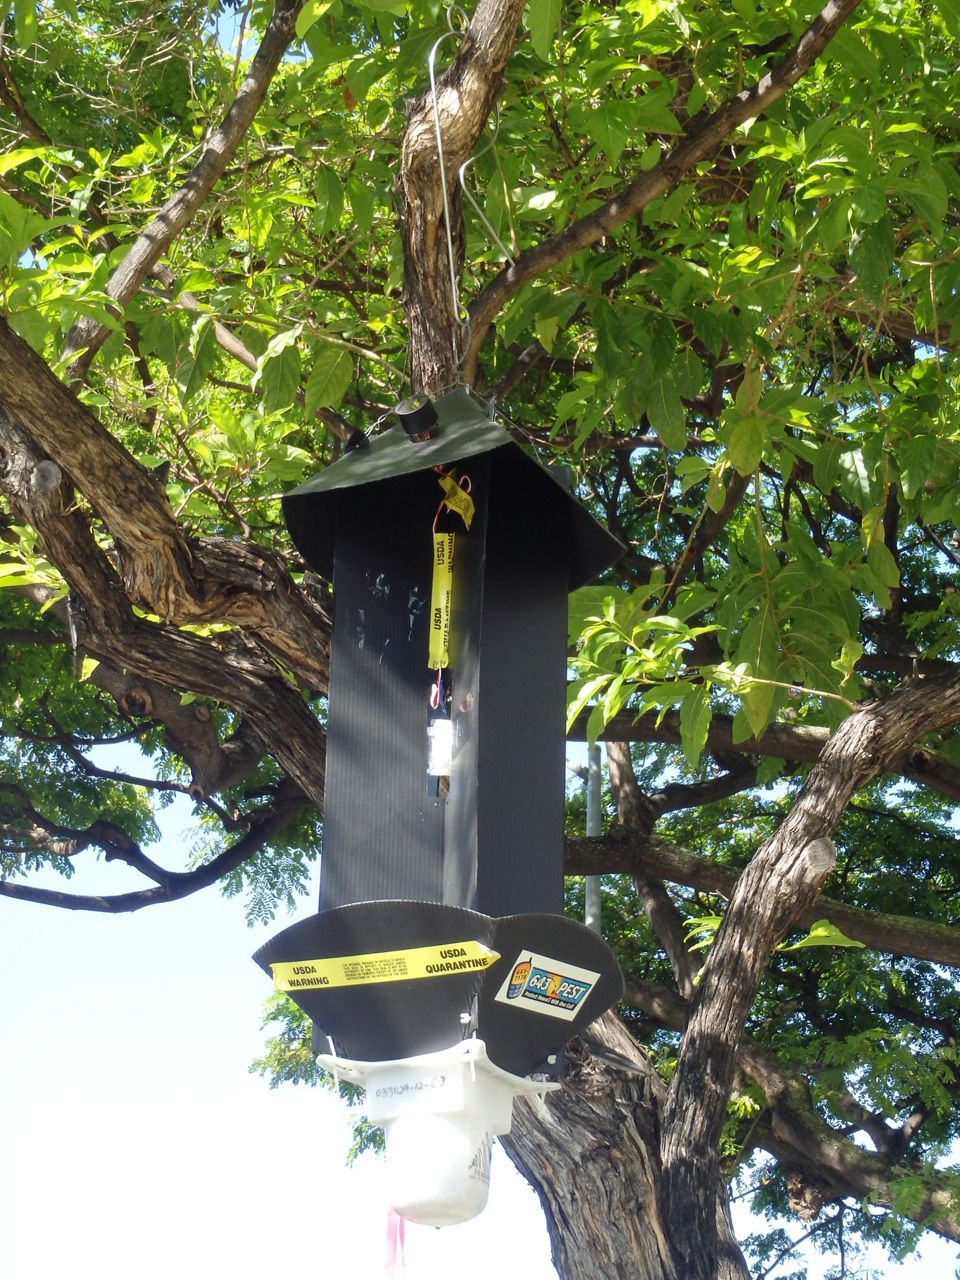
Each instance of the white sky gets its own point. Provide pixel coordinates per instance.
(135, 1145)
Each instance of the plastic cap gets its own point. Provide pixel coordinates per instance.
(418, 417)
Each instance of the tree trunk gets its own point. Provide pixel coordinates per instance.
(592, 1152)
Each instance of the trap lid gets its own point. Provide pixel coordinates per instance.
(398, 979)
(463, 431)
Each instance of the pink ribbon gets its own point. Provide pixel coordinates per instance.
(395, 1230)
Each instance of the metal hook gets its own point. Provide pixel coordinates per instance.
(457, 11)
(469, 194)
(459, 311)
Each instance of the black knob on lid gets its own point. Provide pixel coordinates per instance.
(418, 417)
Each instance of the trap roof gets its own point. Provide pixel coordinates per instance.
(465, 432)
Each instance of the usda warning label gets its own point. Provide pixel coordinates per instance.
(383, 966)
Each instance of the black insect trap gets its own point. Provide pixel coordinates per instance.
(439, 972)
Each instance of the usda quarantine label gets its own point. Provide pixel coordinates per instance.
(384, 966)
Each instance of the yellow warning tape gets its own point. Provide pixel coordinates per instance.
(457, 499)
(383, 966)
(440, 597)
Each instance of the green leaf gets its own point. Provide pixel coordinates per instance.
(915, 459)
(822, 934)
(695, 717)
(142, 188)
(259, 221)
(25, 18)
(856, 482)
(716, 489)
(311, 12)
(749, 390)
(661, 343)
(543, 19)
(609, 352)
(871, 256)
(332, 373)
(747, 442)
(546, 329)
(279, 377)
(826, 464)
(950, 12)
(328, 191)
(850, 654)
(758, 649)
(667, 415)
(689, 375)
(196, 281)
(609, 129)
(884, 568)
(580, 695)
(651, 113)
(832, 223)
(13, 159)
(852, 53)
(202, 352)
(929, 197)
(868, 205)
(88, 667)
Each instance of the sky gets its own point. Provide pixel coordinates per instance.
(135, 1144)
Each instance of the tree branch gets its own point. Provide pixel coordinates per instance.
(12, 99)
(466, 93)
(636, 816)
(702, 139)
(706, 533)
(796, 1134)
(630, 854)
(88, 334)
(795, 742)
(66, 842)
(188, 582)
(225, 667)
(175, 884)
(782, 880)
(15, 636)
(687, 795)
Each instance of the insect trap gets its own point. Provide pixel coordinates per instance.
(442, 1014)
(439, 972)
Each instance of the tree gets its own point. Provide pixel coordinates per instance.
(714, 269)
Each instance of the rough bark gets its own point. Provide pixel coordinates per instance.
(466, 92)
(161, 570)
(592, 1153)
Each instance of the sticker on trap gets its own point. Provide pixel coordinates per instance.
(548, 986)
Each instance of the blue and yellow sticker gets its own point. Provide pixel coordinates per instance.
(548, 986)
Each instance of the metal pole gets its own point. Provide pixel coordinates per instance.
(594, 828)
